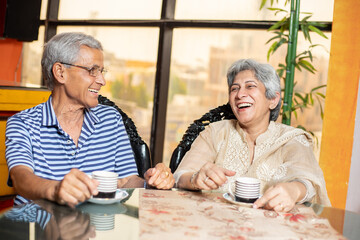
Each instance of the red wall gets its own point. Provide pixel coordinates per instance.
(10, 62)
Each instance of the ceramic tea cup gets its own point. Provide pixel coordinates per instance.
(107, 183)
(247, 189)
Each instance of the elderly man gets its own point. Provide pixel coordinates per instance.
(51, 148)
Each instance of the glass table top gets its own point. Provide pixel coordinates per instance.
(42, 219)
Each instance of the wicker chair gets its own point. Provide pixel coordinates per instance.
(140, 148)
(214, 115)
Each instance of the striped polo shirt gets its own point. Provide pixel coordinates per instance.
(34, 138)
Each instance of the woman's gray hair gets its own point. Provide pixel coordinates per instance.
(64, 47)
(265, 73)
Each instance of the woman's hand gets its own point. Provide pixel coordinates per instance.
(282, 197)
(160, 177)
(210, 176)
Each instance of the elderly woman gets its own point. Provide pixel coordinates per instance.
(254, 145)
(53, 147)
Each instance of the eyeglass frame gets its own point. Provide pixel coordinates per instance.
(90, 70)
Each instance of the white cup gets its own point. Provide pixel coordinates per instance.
(102, 222)
(247, 189)
(107, 183)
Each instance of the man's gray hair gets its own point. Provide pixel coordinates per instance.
(265, 73)
(64, 47)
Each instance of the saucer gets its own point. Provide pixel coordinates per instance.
(120, 195)
(229, 198)
(101, 209)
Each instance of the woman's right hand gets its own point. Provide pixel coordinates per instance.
(210, 176)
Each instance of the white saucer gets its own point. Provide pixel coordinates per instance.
(229, 198)
(120, 195)
(101, 209)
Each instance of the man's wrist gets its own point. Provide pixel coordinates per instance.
(50, 192)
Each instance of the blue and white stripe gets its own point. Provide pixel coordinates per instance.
(35, 139)
(29, 213)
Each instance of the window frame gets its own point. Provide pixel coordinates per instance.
(166, 24)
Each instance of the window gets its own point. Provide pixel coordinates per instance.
(110, 9)
(203, 38)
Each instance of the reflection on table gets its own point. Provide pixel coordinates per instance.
(155, 214)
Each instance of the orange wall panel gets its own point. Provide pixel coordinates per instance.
(341, 100)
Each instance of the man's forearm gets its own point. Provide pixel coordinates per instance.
(30, 186)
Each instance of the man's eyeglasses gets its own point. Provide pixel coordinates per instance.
(94, 71)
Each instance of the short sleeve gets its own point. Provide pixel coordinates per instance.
(18, 144)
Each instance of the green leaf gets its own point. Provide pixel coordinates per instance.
(306, 18)
(318, 87)
(307, 13)
(301, 127)
(286, 114)
(318, 31)
(277, 9)
(285, 26)
(311, 99)
(263, 2)
(305, 29)
(321, 111)
(278, 35)
(315, 45)
(302, 58)
(296, 102)
(306, 102)
(299, 96)
(271, 49)
(278, 24)
(310, 55)
(281, 69)
(321, 95)
(275, 46)
(308, 66)
(317, 24)
(281, 42)
(302, 55)
(295, 114)
(280, 72)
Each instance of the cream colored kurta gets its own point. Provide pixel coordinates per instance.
(282, 154)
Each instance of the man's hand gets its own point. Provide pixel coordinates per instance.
(76, 187)
(160, 177)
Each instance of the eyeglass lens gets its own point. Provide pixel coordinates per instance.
(95, 71)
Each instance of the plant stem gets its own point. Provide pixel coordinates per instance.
(290, 61)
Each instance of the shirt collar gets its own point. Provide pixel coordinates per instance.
(49, 116)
